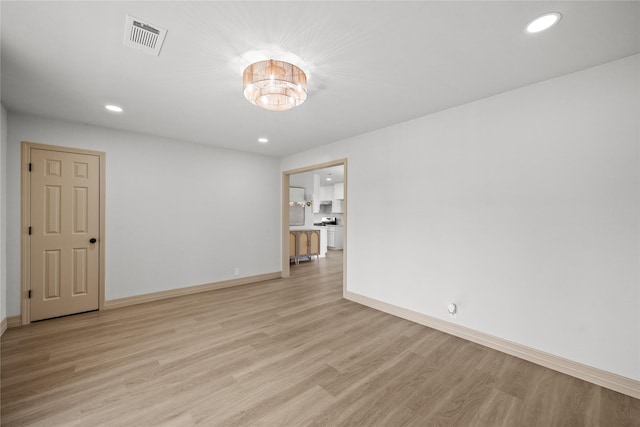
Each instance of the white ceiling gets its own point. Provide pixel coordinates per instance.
(372, 64)
(304, 179)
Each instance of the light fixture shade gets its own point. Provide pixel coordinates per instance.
(274, 85)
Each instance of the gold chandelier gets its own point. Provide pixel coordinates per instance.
(274, 85)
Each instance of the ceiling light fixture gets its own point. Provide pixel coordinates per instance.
(113, 108)
(263, 140)
(274, 85)
(543, 22)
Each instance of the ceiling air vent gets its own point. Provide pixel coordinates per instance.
(143, 36)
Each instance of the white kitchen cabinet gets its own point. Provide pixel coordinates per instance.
(338, 198)
(338, 191)
(326, 193)
(335, 236)
(331, 236)
(338, 238)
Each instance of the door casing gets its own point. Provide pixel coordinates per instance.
(25, 193)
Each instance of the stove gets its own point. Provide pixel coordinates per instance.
(327, 220)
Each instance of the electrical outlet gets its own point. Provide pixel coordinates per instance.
(236, 271)
(453, 310)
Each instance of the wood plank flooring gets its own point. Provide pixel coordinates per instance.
(286, 352)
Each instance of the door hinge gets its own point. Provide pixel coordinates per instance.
(29, 167)
(29, 293)
(29, 230)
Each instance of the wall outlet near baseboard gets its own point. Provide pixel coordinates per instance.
(236, 271)
(453, 310)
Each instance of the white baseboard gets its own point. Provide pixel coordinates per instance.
(13, 322)
(614, 382)
(172, 293)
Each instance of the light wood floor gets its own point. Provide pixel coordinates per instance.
(283, 352)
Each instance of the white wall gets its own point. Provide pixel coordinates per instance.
(523, 208)
(3, 213)
(177, 214)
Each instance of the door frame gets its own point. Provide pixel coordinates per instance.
(285, 271)
(25, 196)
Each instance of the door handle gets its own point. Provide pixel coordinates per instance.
(93, 240)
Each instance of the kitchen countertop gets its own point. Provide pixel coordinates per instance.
(305, 228)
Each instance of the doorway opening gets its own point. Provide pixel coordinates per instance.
(326, 212)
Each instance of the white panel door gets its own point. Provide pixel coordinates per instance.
(65, 224)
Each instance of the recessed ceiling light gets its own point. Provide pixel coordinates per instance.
(328, 178)
(543, 22)
(263, 140)
(113, 108)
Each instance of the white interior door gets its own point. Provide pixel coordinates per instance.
(65, 226)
